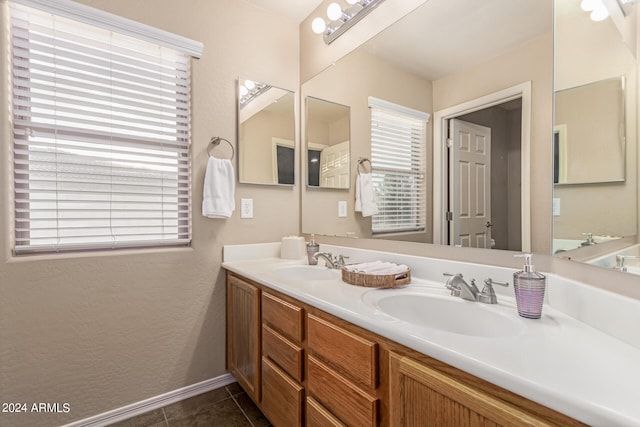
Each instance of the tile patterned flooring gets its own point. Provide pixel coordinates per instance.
(225, 407)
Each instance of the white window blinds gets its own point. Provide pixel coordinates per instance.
(101, 125)
(398, 167)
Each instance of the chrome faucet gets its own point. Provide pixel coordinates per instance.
(460, 288)
(620, 259)
(589, 240)
(331, 261)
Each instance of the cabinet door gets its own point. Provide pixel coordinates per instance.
(421, 396)
(243, 334)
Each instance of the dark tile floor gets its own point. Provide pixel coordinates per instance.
(226, 407)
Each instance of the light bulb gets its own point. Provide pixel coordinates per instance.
(334, 12)
(243, 91)
(318, 25)
(589, 5)
(249, 84)
(600, 13)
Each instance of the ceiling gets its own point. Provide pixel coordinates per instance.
(296, 10)
(442, 37)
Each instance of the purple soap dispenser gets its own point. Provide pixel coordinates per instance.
(529, 287)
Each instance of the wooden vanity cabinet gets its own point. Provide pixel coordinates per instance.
(420, 396)
(304, 367)
(243, 334)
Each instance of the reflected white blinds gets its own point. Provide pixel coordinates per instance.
(101, 125)
(398, 167)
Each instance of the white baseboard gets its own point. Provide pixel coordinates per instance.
(156, 402)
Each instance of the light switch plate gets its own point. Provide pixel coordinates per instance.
(246, 208)
(342, 209)
(556, 206)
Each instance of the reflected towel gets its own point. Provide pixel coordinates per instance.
(365, 197)
(219, 189)
(378, 268)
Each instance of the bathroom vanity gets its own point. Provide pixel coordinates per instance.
(312, 350)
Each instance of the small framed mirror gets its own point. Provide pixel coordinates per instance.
(589, 133)
(266, 134)
(328, 130)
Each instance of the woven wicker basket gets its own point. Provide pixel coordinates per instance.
(376, 280)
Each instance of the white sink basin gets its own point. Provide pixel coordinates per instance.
(306, 272)
(431, 309)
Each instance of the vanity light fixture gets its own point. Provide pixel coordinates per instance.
(599, 11)
(341, 19)
(249, 90)
(627, 6)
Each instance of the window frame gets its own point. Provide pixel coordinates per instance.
(383, 170)
(120, 26)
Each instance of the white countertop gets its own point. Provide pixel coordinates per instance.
(557, 361)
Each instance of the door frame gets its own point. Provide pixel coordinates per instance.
(440, 176)
(275, 142)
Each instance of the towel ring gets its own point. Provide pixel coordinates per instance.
(361, 161)
(215, 141)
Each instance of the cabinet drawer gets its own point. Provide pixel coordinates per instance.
(340, 396)
(355, 356)
(319, 416)
(282, 316)
(282, 398)
(283, 352)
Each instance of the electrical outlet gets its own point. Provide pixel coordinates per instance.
(246, 208)
(342, 209)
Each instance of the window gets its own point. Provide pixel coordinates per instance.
(398, 167)
(101, 128)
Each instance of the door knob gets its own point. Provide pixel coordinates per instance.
(488, 224)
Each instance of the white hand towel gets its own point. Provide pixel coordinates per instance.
(378, 268)
(365, 196)
(219, 189)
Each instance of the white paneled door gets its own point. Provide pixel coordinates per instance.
(469, 184)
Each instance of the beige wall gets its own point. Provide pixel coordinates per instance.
(103, 330)
(347, 83)
(256, 144)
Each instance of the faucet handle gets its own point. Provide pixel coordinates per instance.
(340, 262)
(488, 295)
(620, 259)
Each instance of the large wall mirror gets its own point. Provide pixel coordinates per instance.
(327, 144)
(412, 66)
(266, 134)
(595, 194)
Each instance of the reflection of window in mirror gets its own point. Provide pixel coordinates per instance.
(398, 139)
